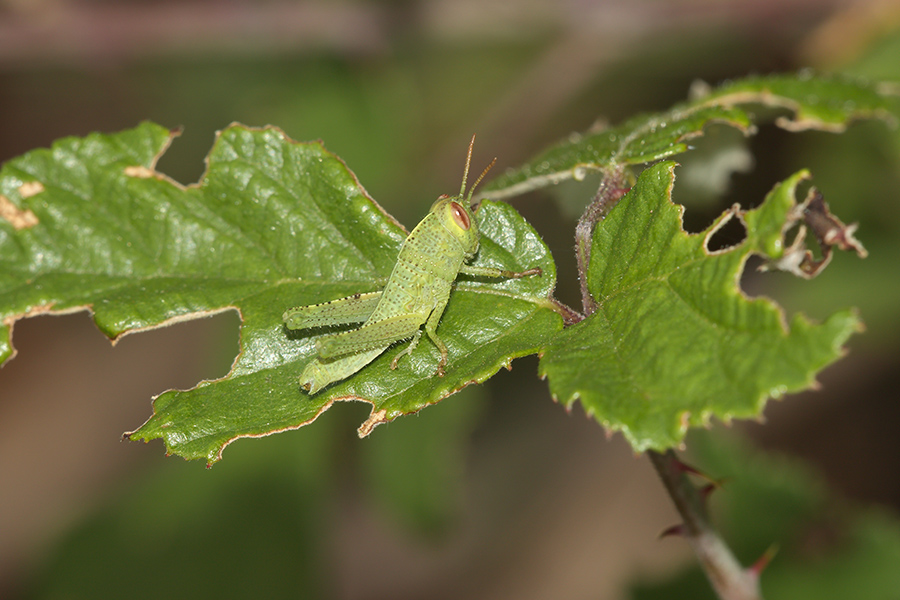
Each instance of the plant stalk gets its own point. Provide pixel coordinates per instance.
(611, 190)
(729, 579)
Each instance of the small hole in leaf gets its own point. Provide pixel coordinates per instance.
(730, 233)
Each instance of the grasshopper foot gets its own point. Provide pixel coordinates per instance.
(440, 370)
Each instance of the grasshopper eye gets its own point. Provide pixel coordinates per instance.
(460, 216)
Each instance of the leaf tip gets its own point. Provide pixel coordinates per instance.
(376, 418)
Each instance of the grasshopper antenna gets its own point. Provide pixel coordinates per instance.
(477, 181)
(462, 190)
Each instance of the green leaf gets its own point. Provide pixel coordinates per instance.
(272, 224)
(818, 102)
(674, 341)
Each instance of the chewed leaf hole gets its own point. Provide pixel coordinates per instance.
(730, 232)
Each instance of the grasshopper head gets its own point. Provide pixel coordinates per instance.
(456, 212)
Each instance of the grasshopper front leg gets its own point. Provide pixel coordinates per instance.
(498, 273)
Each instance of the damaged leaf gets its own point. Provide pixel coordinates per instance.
(272, 224)
(824, 102)
(673, 341)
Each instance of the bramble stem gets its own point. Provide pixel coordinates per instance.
(730, 580)
(611, 190)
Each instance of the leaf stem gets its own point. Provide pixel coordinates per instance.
(570, 315)
(729, 579)
(611, 190)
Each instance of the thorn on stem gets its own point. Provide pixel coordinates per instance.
(686, 468)
(710, 487)
(763, 561)
(673, 530)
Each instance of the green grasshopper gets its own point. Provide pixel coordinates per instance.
(416, 293)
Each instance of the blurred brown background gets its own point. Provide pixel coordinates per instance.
(497, 493)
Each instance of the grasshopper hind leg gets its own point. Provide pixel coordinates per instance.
(343, 311)
(319, 374)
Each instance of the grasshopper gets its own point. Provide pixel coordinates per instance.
(417, 291)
